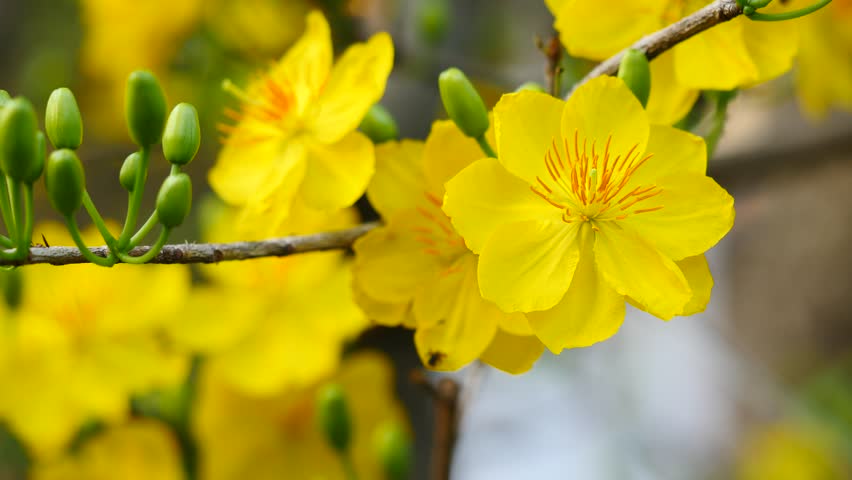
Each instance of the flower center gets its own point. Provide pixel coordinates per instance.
(267, 109)
(435, 231)
(589, 185)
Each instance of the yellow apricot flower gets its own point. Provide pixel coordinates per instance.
(255, 26)
(589, 203)
(141, 449)
(82, 341)
(274, 437)
(793, 451)
(296, 134)
(737, 53)
(273, 323)
(416, 270)
(824, 69)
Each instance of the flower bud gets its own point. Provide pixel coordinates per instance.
(174, 200)
(145, 108)
(18, 144)
(333, 417)
(393, 450)
(63, 121)
(433, 20)
(463, 103)
(65, 181)
(635, 71)
(182, 136)
(379, 125)
(129, 170)
(13, 287)
(531, 87)
(37, 167)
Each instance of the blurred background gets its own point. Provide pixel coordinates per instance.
(757, 387)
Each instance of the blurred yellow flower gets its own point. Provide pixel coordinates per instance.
(737, 53)
(83, 340)
(787, 451)
(138, 450)
(274, 323)
(589, 203)
(296, 135)
(824, 70)
(417, 271)
(274, 437)
(256, 27)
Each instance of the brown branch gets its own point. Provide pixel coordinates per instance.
(445, 398)
(658, 42)
(211, 252)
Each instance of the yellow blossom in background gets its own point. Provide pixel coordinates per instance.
(734, 54)
(824, 68)
(82, 341)
(275, 437)
(587, 204)
(295, 133)
(138, 450)
(416, 270)
(274, 323)
(788, 451)
(256, 27)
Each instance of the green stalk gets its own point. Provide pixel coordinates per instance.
(133, 202)
(21, 241)
(348, 466)
(29, 217)
(74, 230)
(144, 230)
(155, 249)
(486, 147)
(6, 208)
(98, 220)
(6, 242)
(779, 17)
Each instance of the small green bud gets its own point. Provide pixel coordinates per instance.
(65, 181)
(182, 136)
(13, 287)
(145, 108)
(463, 103)
(18, 145)
(531, 87)
(37, 167)
(333, 417)
(636, 73)
(129, 170)
(393, 450)
(379, 125)
(174, 200)
(63, 121)
(433, 20)
(4, 98)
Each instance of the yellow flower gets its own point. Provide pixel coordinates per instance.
(588, 204)
(83, 340)
(255, 26)
(790, 451)
(416, 270)
(273, 323)
(738, 53)
(296, 135)
(139, 450)
(274, 437)
(824, 70)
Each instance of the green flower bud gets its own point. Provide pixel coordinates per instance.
(37, 167)
(65, 181)
(145, 108)
(531, 87)
(393, 450)
(463, 103)
(333, 417)
(433, 20)
(174, 200)
(182, 136)
(636, 73)
(13, 287)
(379, 125)
(63, 121)
(18, 145)
(4, 98)
(129, 170)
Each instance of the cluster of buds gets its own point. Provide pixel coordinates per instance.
(145, 108)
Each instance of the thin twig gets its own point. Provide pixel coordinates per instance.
(658, 42)
(211, 252)
(445, 398)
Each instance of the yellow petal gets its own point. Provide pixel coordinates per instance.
(447, 152)
(772, 47)
(527, 266)
(604, 111)
(634, 268)
(697, 273)
(513, 354)
(526, 124)
(398, 183)
(515, 324)
(590, 31)
(716, 59)
(696, 214)
(337, 174)
(384, 313)
(357, 81)
(484, 196)
(306, 64)
(391, 264)
(590, 312)
(212, 320)
(672, 151)
(670, 100)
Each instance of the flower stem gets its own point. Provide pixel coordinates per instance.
(29, 218)
(486, 147)
(74, 230)
(151, 253)
(144, 230)
(348, 466)
(98, 220)
(778, 17)
(22, 243)
(134, 200)
(5, 207)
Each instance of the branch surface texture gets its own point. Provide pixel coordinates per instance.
(658, 42)
(211, 252)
